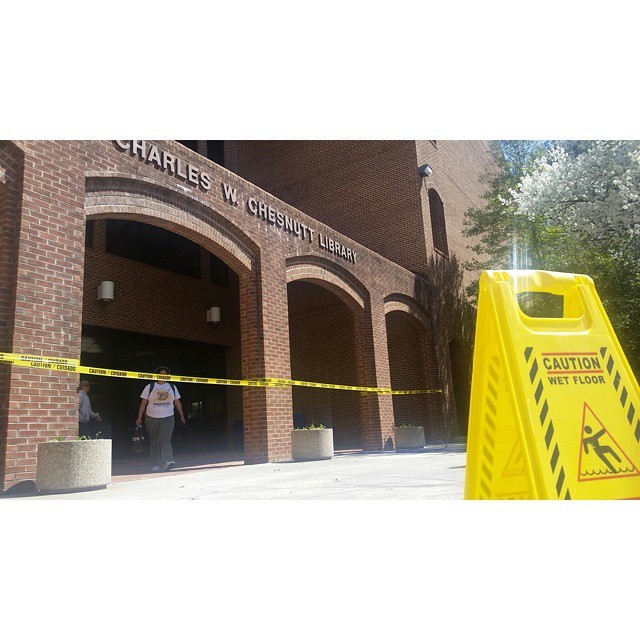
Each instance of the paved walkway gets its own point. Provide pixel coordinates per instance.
(428, 473)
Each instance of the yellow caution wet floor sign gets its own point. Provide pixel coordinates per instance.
(555, 407)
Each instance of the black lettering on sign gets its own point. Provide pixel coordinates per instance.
(571, 362)
(40, 365)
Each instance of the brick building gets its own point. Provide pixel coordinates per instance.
(330, 261)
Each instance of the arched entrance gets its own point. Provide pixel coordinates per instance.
(171, 260)
(413, 365)
(326, 312)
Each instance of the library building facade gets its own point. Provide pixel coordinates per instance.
(335, 262)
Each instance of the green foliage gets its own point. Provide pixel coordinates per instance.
(505, 240)
(498, 234)
(98, 436)
(310, 427)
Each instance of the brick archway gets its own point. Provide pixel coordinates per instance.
(330, 276)
(129, 198)
(119, 196)
(400, 302)
(413, 364)
(355, 345)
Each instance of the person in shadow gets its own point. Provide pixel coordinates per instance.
(87, 417)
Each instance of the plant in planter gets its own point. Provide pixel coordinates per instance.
(409, 436)
(76, 464)
(312, 442)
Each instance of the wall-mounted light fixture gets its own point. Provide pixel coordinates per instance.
(105, 291)
(213, 314)
(425, 170)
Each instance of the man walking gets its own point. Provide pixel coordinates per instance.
(159, 398)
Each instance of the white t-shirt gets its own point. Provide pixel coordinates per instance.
(160, 403)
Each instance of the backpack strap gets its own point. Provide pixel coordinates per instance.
(173, 386)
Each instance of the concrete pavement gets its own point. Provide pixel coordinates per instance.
(427, 474)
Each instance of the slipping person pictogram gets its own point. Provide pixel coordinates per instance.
(600, 450)
(601, 456)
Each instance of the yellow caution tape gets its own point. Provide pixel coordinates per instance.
(17, 357)
(72, 365)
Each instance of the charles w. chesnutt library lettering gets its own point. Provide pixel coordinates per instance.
(286, 283)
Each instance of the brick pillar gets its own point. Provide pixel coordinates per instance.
(46, 305)
(264, 323)
(436, 426)
(372, 358)
(11, 170)
(234, 395)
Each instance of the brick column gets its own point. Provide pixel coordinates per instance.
(11, 170)
(46, 305)
(264, 322)
(372, 357)
(434, 403)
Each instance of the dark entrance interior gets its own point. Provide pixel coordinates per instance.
(321, 334)
(117, 400)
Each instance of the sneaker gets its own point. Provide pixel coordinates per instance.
(168, 465)
(155, 468)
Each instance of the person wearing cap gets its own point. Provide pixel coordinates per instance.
(158, 399)
(85, 413)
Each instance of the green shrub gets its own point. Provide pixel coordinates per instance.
(98, 436)
(310, 426)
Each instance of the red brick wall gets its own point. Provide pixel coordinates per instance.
(370, 190)
(11, 169)
(457, 168)
(63, 182)
(366, 189)
(46, 311)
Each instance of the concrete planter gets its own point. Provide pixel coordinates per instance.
(73, 465)
(312, 444)
(409, 437)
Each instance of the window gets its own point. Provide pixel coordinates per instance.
(438, 227)
(215, 151)
(211, 149)
(88, 234)
(190, 144)
(219, 271)
(153, 245)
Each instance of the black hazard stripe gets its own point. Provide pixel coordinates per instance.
(613, 370)
(547, 425)
(490, 420)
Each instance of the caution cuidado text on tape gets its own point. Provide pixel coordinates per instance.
(71, 365)
(555, 407)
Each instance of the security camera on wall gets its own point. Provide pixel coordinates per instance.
(425, 170)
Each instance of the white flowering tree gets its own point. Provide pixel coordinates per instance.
(589, 193)
(593, 191)
(574, 207)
